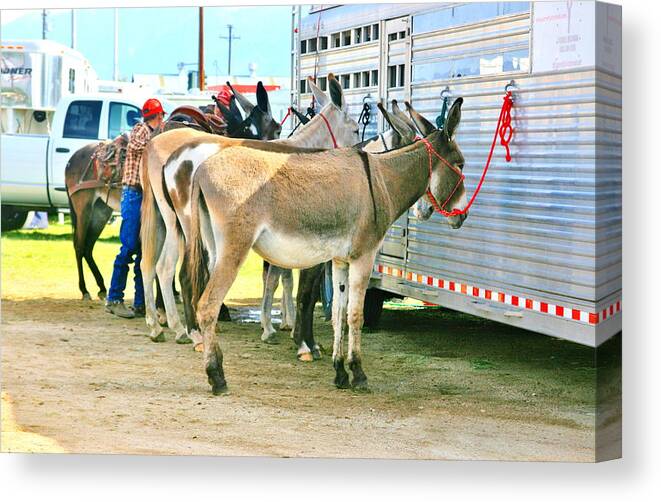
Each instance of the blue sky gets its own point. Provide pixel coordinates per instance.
(154, 40)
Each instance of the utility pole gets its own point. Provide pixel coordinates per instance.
(229, 38)
(200, 61)
(73, 28)
(115, 66)
(44, 24)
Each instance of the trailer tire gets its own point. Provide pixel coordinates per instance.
(373, 307)
(13, 218)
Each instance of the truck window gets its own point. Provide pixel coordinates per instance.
(122, 117)
(82, 120)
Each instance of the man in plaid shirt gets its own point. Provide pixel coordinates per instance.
(129, 232)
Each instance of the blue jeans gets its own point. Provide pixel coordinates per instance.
(129, 237)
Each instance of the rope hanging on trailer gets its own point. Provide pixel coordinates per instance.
(504, 130)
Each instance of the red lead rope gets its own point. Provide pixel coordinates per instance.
(504, 130)
(286, 116)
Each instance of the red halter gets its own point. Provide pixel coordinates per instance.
(330, 131)
(504, 129)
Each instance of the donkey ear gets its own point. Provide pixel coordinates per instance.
(263, 98)
(229, 116)
(405, 132)
(234, 110)
(319, 95)
(397, 111)
(243, 101)
(454, 117)
(337, 96)
(424, 126)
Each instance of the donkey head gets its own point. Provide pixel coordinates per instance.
(446, 183)
(402, 132)
(261, 121)
(335, 111)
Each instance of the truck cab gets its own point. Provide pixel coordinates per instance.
(33, 164)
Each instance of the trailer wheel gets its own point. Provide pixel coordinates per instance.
(13, 218)
(373, 307)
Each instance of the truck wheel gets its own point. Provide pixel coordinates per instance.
(373, 307)
(13, 218)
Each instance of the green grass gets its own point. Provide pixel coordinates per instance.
(42, 264)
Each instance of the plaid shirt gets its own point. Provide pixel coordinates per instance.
(138, 139)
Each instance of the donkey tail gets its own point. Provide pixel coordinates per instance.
(198, 271)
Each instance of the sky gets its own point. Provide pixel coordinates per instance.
(154, 40)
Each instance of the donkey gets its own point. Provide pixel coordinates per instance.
(170, 162)
(402, 132)
(91, 208)
(298, 208)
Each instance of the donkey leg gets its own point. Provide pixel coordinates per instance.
(165, 269)
(340, 298)
(222, 276)
(272, 280)
(80, 207)
(306, 298)
(287, 300)
(359, 276)
(101, 213)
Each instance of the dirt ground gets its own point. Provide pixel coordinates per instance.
(442, 386)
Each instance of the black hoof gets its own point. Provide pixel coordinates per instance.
(218, 386)
(101, 295)
(160, 338)
(341, 375)
(87, 297)
(316, 353)
(183, 339)
(224, 314)
(360, 385)
(359, 381)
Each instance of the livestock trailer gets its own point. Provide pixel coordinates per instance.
(541, 248)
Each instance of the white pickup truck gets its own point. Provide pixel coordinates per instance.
(32, 165)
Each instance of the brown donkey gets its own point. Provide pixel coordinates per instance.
(298, 208)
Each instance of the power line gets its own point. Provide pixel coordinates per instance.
(229, 38)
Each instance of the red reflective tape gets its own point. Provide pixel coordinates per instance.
(611, 310)
(593, 318)
(528, 303)
(487, 294)
(430, 281)
(409, 276)
(559, 311)
(515, 301)
(476, 291)
(464, 288)
(576, 315)
(441, 283)
(400, 273)
(451, 286)
(617, 306)
(544, 307)
(501, 297)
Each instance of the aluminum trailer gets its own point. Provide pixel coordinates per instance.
(541, 248)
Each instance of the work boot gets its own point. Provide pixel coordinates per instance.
(119, 309)
(138, 311)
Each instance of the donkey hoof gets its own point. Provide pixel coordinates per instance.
(316, 352)
(199, 347)
(342, 381)
(269, 338)
(101, 295)
(218, 385)
(285, 327)
(183, 339)
(224, 314)
(162, 317)
(160, 338)
(360, 385)
(87, 297)
(305, 357)
(177, 299)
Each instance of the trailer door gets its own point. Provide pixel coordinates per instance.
(395, 70)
